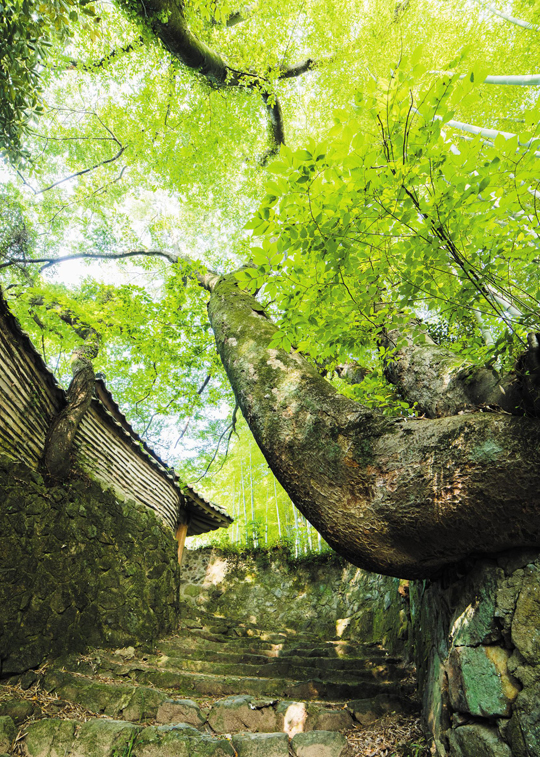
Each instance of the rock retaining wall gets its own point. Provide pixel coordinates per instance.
(477, 641)
(325, 595)
(78, 568)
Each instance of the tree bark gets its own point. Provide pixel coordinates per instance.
(62, 431)
(405, 497)
(441, 384)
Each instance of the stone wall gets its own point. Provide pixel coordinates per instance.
(325, 595)
(477, 641)
(78, 568)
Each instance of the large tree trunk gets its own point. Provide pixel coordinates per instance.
(404, 497)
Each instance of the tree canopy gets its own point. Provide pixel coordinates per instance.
(373, 167)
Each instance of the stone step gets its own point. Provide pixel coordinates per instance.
(201, 684)
(139, 703)
(221, 633)
(225, 632)
(253, 658)
(225, 663)
(187, 641)
(196, 619)
(110, 738)
(208, 684)
(293, 667)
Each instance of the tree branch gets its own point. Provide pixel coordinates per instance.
(74, 175)
(207, 278)
(299, 68)
(439, 383)
(167, 20)
(102, 62)
(404, 497)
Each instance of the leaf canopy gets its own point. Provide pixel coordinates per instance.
(378, 208)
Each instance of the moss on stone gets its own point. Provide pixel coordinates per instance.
(79, 568)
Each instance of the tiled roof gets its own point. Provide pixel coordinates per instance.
(204, 515)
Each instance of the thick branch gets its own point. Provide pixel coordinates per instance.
(403, 497)
(167, 20)
(442, 384)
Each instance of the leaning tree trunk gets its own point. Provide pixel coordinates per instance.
(404, 497)
(62, 431)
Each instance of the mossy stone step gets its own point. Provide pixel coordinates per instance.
(276, 668)
(218, 624)
(110, 738)
(206, 684)
(290, 667)
(258, 658)
(231, 714)
(186, 643)
(213, 633)
(200, 684)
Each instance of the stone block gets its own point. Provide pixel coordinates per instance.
(320, 744)
(49, 738)
(324, 719)
(180, 711)
(179, 741)
(101, 738)
(477, 741)
(115, 700)
(474, 620)
(524, 727)
(243, 713)
(18, 710)
(526, 620)
(8, 731)
(479, 683)
(366, 711)
(261, 744)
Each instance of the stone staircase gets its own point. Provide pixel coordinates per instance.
(215, 688)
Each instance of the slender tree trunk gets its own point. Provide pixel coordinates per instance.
(254, 534)
(507, 17)
(277, 508)
(399, 496)
(246, 525)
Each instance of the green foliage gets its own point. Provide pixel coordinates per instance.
(28, 29)
(377, 210)
(400, 217)
(157, 349)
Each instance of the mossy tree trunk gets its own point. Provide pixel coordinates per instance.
(62, 431)
(404, 497)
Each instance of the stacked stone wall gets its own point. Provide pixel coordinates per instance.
(476, 635)
(325, 595)
(79, 568)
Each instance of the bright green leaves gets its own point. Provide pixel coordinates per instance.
(27, 28)
(399, 213)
